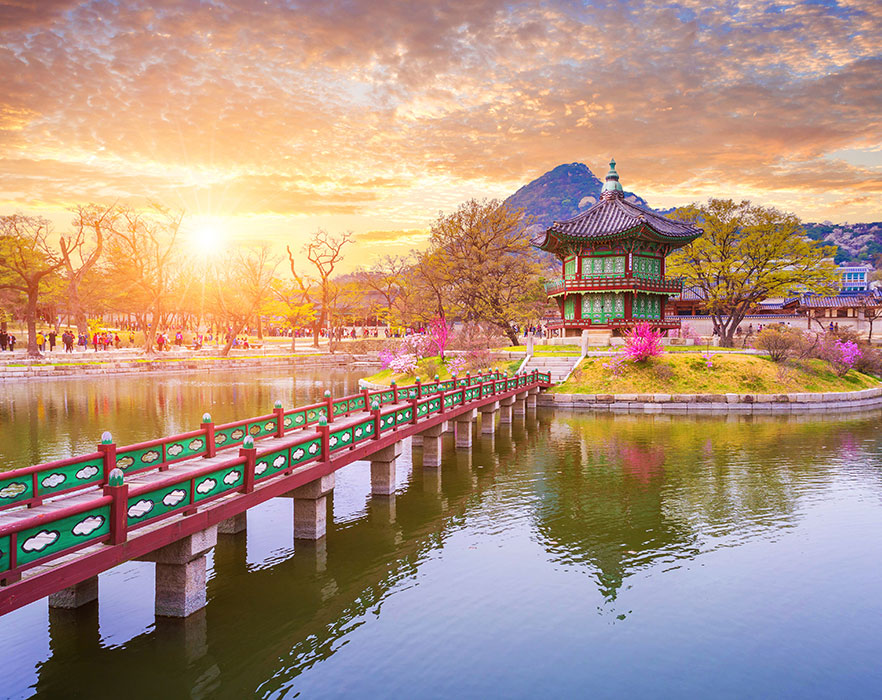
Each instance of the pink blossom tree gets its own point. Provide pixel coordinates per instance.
(643, 342)
(439, 332)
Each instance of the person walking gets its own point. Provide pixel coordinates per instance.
(11, 342)
(41, 341)
(52, 337)
(4, 340)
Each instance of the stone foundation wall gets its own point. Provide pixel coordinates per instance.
(124, 367)
(716, 403)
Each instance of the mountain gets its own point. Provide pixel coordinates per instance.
(561, 194)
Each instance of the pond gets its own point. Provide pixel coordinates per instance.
(641, 556)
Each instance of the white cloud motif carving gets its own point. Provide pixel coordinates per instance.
(332, 441)
(172, 498)
(150, 457)
(260, 468)
(195, 445)
(53, 480)
(88, 525)
(298, 453)
(279, 461)
(298, 419)
(206, 486)
(220, 438)
(269, 426)
(174, 450)
(125, 462)
(237, 433)
(368, 428)
(140, 509)
(313, 448)
(358, 432)
(232, 477)
(87, 472)
(16, 488)
(39, 542)
(345, 437)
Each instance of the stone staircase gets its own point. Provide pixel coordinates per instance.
(559, 367)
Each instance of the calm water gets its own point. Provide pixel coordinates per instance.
(572, 556)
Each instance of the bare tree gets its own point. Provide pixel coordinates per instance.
(27, 264)
(143, 266)
(324, 252)
(80, 251)
(386, 278)
(240, 286)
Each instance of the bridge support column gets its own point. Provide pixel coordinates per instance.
(531, 397)
(520, 404)
(383, 470)
(448, 426)
(233, 526)
(416, 440)
(463, 430)
(488, 417)
(311, 508)
(432, 446)
(75, 596)
(505, 406)
(180, 574)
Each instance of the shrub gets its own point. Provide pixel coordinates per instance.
(662, 372)
(778, 341)
(643, 342)
(847, 353)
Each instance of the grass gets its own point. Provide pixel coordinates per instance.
(731, 373)
(387, 375)
(546, 350)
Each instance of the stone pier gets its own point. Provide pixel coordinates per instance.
(520, 404)
(416, 440)
(311, 508)
(488, 417)
(234, 525)
(75, 596)
(505, 409)
(463, 430)
(531, 397)
(432, 446)
(180, 573)
(383, 470)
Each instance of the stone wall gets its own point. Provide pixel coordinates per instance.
(716, 403)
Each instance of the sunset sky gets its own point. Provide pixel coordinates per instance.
(266, 120)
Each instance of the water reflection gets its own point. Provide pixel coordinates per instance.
(486, 561)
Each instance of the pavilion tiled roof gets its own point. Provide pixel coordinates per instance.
(613, 216)
(841, 300)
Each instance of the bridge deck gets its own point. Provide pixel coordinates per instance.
(37, 579)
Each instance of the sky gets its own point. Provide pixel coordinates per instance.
(264, 121)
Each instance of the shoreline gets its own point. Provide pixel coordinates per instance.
(40, 369)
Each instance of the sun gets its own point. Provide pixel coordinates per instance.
(208, 239)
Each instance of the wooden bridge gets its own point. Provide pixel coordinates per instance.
(165, 500)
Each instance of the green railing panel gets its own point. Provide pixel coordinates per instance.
(189, 447)
(387, 397)
(5, 543)
(313, 414)
(260, 429)
(150, 505)
(55, 536)
(229, 436)
(219, 481)
(340, 439)
(363, 431)
(295, 420)
(435, 405)
(85, 473)
(357, 404)
(403, 415)
(306, 451)
(139, 459)
(340, 407)
(269, 464)
(387, 422)
(14, 489)
(422, 409)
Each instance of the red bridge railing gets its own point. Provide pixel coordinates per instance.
(107, 518)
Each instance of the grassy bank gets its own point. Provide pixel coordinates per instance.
(730, 374)
(429, 369)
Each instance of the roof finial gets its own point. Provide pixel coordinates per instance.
(612, 187)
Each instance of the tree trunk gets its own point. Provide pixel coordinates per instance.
(293, 342)
(235, 334)
(31, 319)
(315, 334)
(512, 334)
